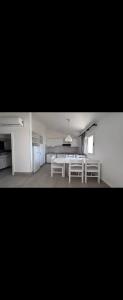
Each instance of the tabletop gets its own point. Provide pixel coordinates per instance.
(68, 160)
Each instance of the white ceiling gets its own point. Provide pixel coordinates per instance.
(56, 121)
(78, 120)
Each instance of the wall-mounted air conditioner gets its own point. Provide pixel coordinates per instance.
(18, 122)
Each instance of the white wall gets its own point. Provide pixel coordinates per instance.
(22, 143)
(52, 142)
(55, 138)
(54, 134)
(109, 148)
(38, 127)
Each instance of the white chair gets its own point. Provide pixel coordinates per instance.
(57, 168)
(76, 169)
(92, 169)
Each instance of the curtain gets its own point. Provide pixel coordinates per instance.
(82, 143)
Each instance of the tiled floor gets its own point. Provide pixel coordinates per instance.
(42, 179)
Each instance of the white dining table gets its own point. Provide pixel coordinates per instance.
(68, 160)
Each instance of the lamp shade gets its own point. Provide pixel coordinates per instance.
(68, 139)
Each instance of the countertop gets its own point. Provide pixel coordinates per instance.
(4, 153)
(65, 153)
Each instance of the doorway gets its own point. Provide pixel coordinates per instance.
(6, 154)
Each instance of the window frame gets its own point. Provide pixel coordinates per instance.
(86, 144)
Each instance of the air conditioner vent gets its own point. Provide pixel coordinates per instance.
(11, 122)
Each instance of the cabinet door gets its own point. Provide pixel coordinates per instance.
(61, 155)
(9, 160)
(3, 162)
(7, 145)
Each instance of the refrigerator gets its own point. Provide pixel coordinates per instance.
(42, 158)
(36, 158)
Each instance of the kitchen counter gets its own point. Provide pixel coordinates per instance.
(65, 153)
(4, 153)
(5, 160)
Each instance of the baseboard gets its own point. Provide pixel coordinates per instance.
(106, 182)
(23, 173)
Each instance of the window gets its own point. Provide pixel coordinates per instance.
(90, 147)
(85, 145)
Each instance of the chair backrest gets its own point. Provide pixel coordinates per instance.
(92, 163)
(76, 163)
(52, 158)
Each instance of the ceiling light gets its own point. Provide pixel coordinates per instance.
(68, 139)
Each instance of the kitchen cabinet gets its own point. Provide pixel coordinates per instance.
(61, 155)
(5, 161)
(7, 145)
(36, 138)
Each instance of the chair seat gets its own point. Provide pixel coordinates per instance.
(57, 165)
(76, 170)
(57, 168)
(92, 170)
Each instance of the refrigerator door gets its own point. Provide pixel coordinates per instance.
(41, 155)
(36, 158)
